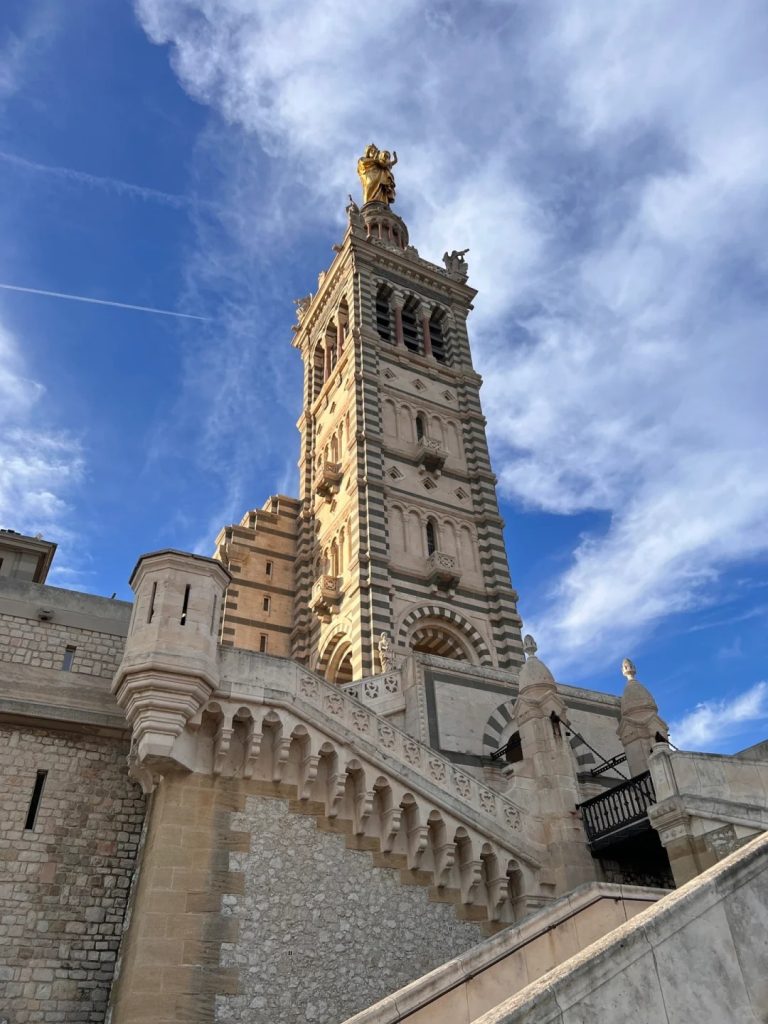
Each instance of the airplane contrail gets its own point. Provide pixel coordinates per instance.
(101, 302)
(99, 181)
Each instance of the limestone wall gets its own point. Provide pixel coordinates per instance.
(25, 641)
(707, 805)
(698, 955)
(63, 883)
(323, 932)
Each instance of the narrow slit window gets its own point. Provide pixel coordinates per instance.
(431, 538)
(68, 659)
(263, 643)
(185, 605)
(34, 803)
(213, 614)
(268, 569)
(266, 604)
(151, 611)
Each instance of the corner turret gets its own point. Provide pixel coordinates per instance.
(170, 665)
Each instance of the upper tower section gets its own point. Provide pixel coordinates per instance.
(399, 529)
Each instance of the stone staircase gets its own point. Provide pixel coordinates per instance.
(296, 736)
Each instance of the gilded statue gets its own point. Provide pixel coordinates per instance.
(374, 168)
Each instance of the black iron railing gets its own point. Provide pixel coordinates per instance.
(620, 807)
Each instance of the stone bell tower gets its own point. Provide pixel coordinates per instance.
(398, 528)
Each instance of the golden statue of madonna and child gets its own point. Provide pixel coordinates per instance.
(374, 168)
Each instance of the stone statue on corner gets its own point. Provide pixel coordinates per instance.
(386, 654)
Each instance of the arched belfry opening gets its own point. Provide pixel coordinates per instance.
(434, 638)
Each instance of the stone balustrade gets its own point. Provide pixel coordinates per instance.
(382, 693)
(430, 454)
(443, 570)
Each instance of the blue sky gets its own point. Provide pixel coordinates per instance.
(605, 164)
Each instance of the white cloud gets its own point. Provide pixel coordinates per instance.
(605, 164)
(715, 723)
(38, 466)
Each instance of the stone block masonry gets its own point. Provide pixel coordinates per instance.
(323, 932)
(43, 644)
(63, 882)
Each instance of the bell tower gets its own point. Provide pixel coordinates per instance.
(398, 527)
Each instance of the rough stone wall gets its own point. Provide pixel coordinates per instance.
(323, 932)
(64, 884)
(42, 645)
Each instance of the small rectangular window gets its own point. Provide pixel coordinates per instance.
(34, 803)
(269, 568)
(151, 611)
(265, 604)
(185, 605)
(263, 642)
(69, 657)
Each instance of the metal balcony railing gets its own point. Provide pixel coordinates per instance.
(608, 815)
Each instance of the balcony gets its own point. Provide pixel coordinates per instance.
(619, 813)
(443, 571)
(328, 479)
(326, 594)
(430, 455)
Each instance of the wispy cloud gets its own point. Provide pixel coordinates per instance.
(23, 48)
(101, 302)
(612, 194)
(714, 724)
(115, 185)
(39, 466)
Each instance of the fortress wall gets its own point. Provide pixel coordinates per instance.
(63, 882)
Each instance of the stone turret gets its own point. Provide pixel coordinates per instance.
(170, 665)
(640, 725)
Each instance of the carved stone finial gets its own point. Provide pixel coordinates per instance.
(628, 669)
(529, 645)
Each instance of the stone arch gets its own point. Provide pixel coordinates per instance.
(501, 725)
(335, 661)
(453, 623)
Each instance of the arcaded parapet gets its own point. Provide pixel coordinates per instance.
(71, 825)
(323, 932)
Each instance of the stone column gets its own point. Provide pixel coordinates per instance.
(425, 329)
(398, 310)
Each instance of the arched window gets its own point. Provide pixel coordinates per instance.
(431, 537)
(343, 318)
(411, 326)
(437, 336)
(331, 336)
(334, 559)
(318, 370)
(384, 313)
(341, 551)
(420, 426)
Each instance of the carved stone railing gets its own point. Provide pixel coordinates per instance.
(328, 479)
(430, 454)
(326, 594)
(383, 694)
(443, 570)
(421, 764)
